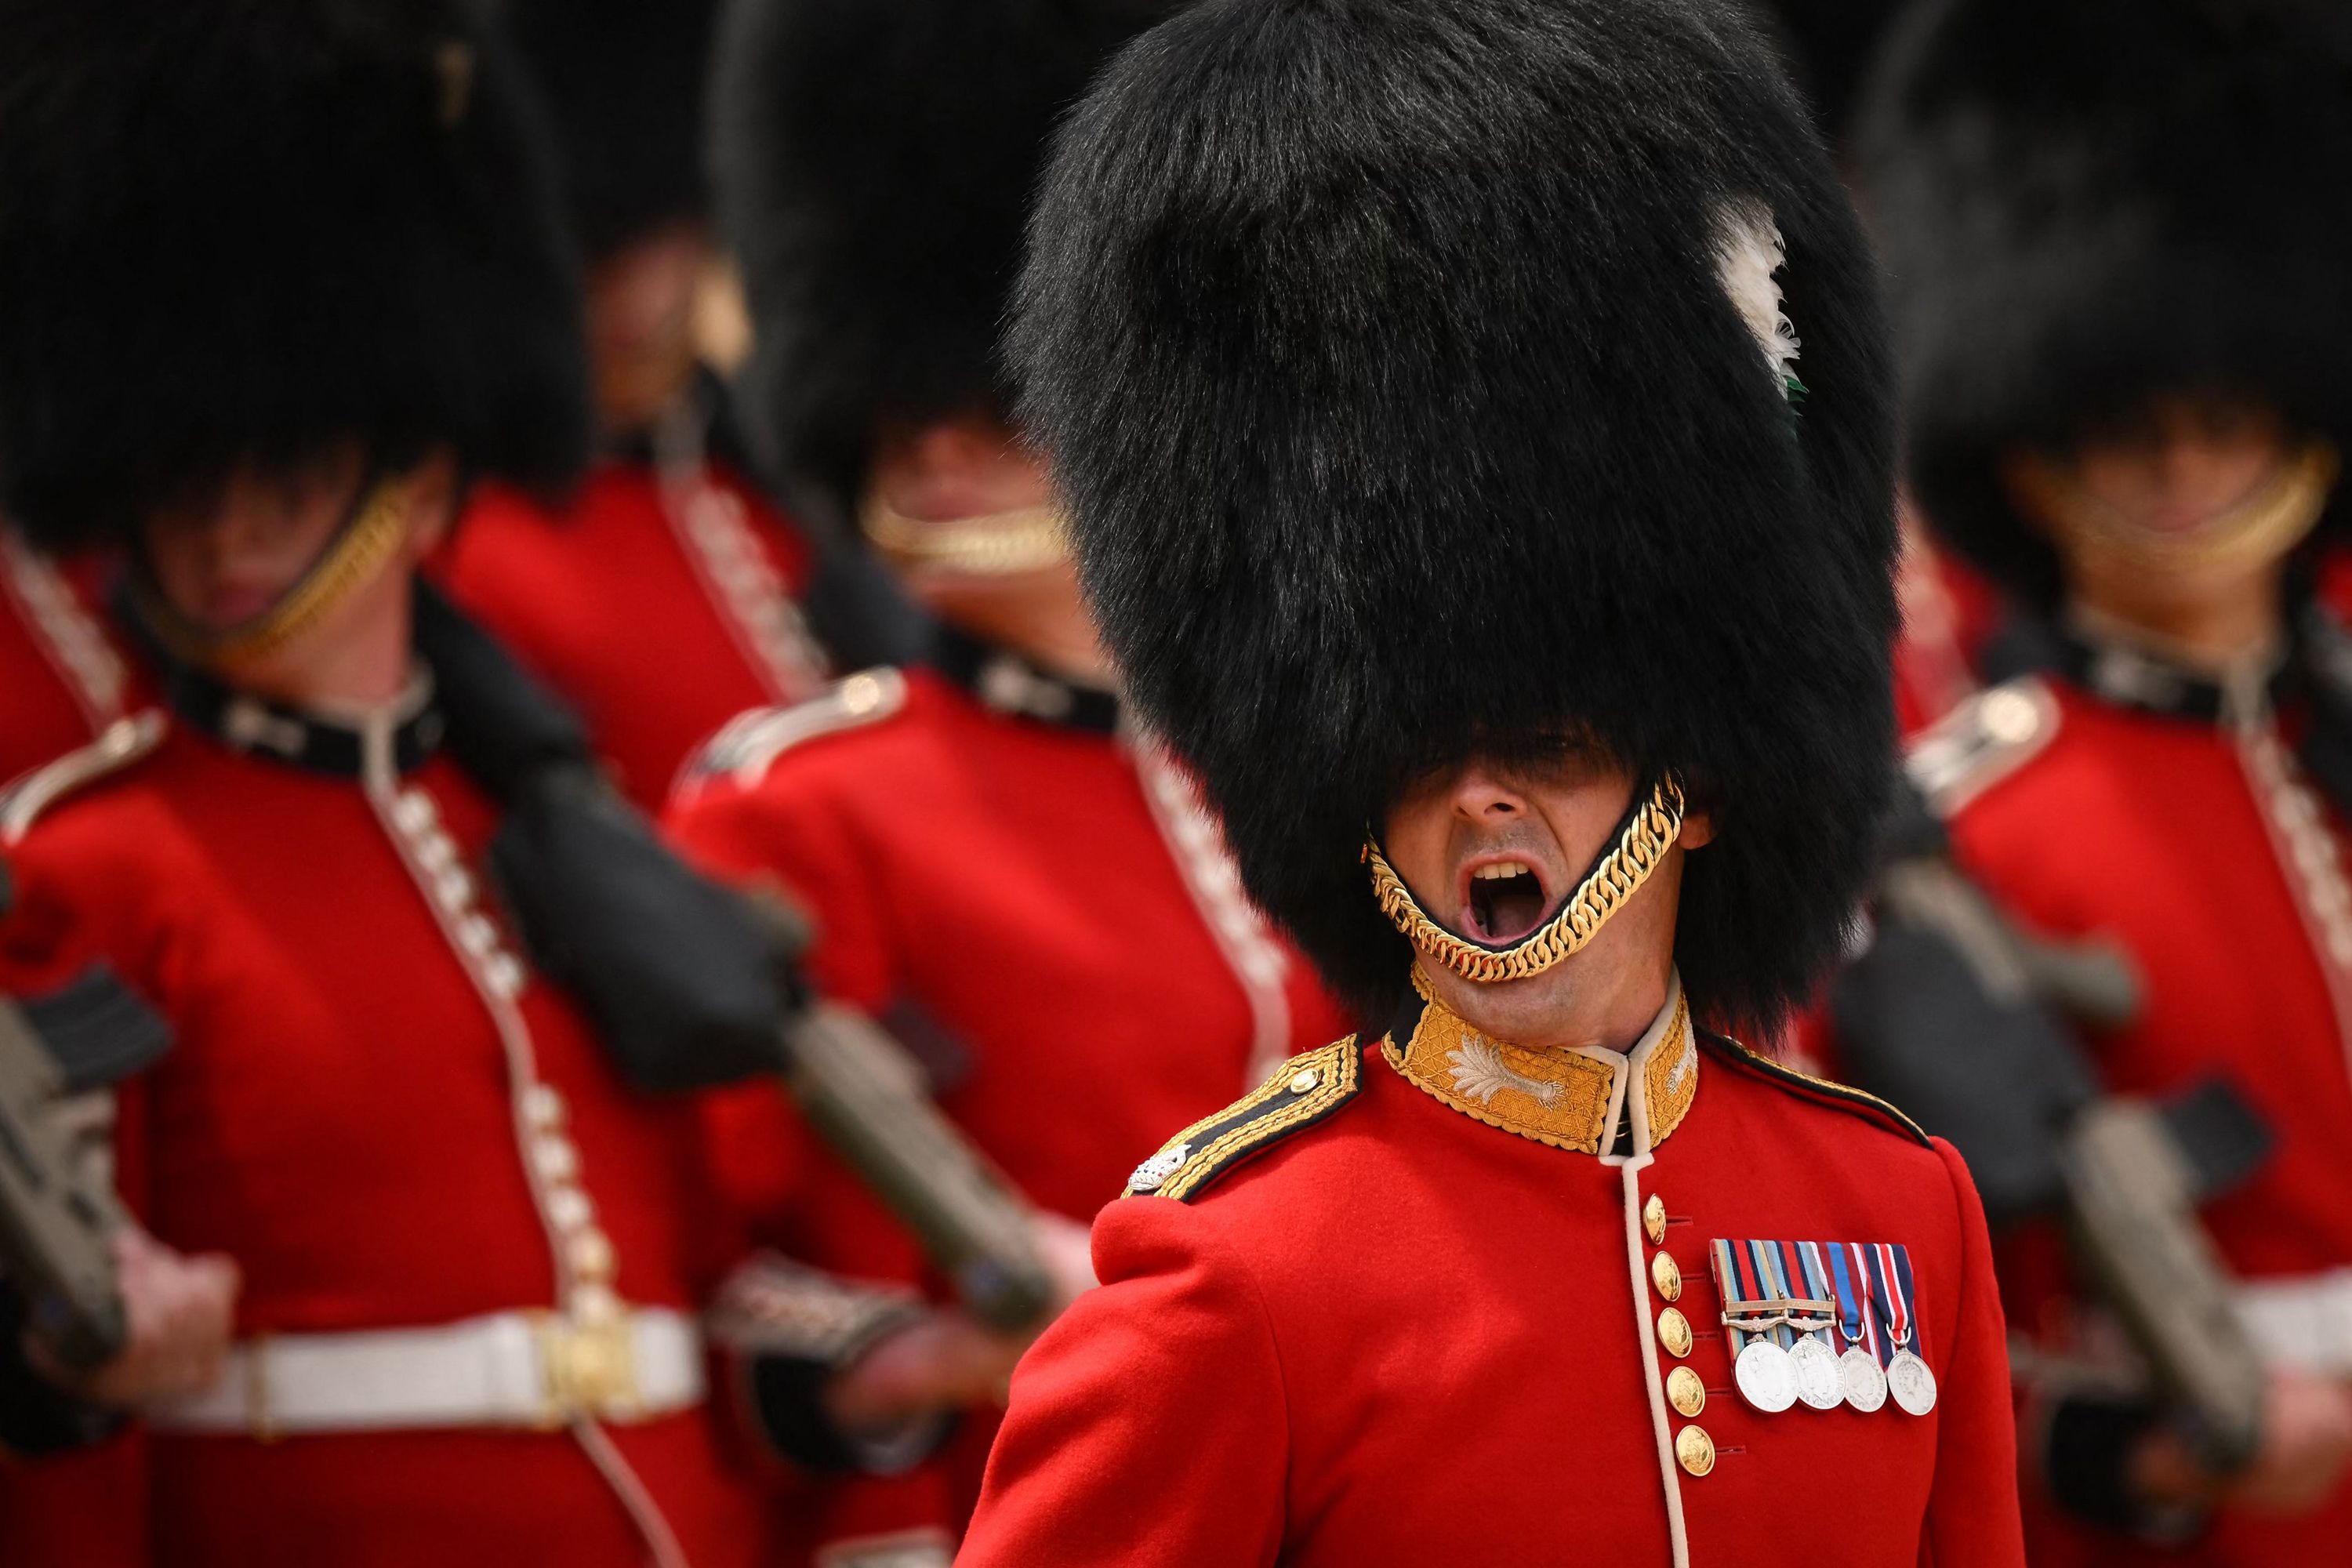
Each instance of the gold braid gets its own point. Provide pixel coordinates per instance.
(1001, 544)
(1615, 879)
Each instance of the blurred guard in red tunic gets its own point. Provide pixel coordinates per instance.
(998, 861)
(660, 598)
(2119, 232)
(62, 680)
(420, 1280)
(1426, 387)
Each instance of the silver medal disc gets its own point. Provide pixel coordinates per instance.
(1818, 1382)
(1864, 1385)
(1765, 1376)
(1913, 1386)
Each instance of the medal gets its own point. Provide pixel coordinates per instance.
(1765, 1376)
(1860, 1380)
(1760, 1368)
(1908, 1378)
(1818, 1381)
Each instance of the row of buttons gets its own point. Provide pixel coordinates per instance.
(1686, 1390)
(586, 1253)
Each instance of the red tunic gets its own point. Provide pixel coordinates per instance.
(1415, 1332)
(660, 604)
(1028, 899)
(61, 679)
(2199, 845)
(352, 1110)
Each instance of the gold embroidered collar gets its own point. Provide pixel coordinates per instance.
(1570, 1099)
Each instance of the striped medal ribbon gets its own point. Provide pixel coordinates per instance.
(1812, 1314)
(1752, 1314)
(1908, 1379)
(1860, 1377)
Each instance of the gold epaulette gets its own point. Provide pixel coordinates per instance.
(1821, 1090)
(749, 745)
(1980, 743)
(122, 744)
(1302, 1091)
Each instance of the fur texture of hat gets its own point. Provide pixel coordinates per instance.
(2086, 203)
(237, 229)
(624, 81)
(875, 161)
(1412, 376)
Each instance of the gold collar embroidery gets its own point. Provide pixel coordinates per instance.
(1570, 1099)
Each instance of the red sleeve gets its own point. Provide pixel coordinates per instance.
(1972, 1519)
(1149, 1426)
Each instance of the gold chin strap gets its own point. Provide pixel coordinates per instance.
(1614, 879)
(356, 555)
(2261, 528)
(1001, 544)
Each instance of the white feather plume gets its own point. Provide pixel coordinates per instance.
(1749, 253)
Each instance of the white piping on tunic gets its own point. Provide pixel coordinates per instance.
(1629, 1067)
(497, 978)
(1206, 869)
(69, 637)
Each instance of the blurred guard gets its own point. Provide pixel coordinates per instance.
(423, 1281)
(661, 598)
(1476, 425)
(2119, 231)
(999, 864)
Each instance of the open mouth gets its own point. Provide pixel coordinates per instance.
(1502, 898)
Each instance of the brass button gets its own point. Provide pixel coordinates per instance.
(1686, 1391)
(1694, 1450)
(1666, 1276)
(1300, 1082)
(1653, 1219)
(1673, 1333)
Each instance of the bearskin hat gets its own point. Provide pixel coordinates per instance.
(623, 81)
(875, 161)
(1414, 378)
(2084, 203)
(254, 228)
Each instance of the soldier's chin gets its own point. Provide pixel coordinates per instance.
(1511, 1010)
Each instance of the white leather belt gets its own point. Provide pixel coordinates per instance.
(2302, 1323)
(536, 1369)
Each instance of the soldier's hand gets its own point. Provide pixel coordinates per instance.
(1066, 1248)
(2305, 1447)
(944, 1360)
(2306, 1442)
(181, 1312)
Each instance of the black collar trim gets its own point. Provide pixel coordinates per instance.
(314, 743)
(1005, 682)
(2132, 676)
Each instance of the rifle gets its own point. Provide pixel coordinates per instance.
(692, 984)
(56, 1227)
(1963, 1018)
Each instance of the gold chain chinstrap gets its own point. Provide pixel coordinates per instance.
(1619, 875)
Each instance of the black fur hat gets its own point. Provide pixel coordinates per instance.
(2086, 201)
(875, 161)
(624, 81)
(234, 228)
(1384, 357)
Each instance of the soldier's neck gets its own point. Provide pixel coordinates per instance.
(1567, 1008)
(359, 658)
(2211, 629)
